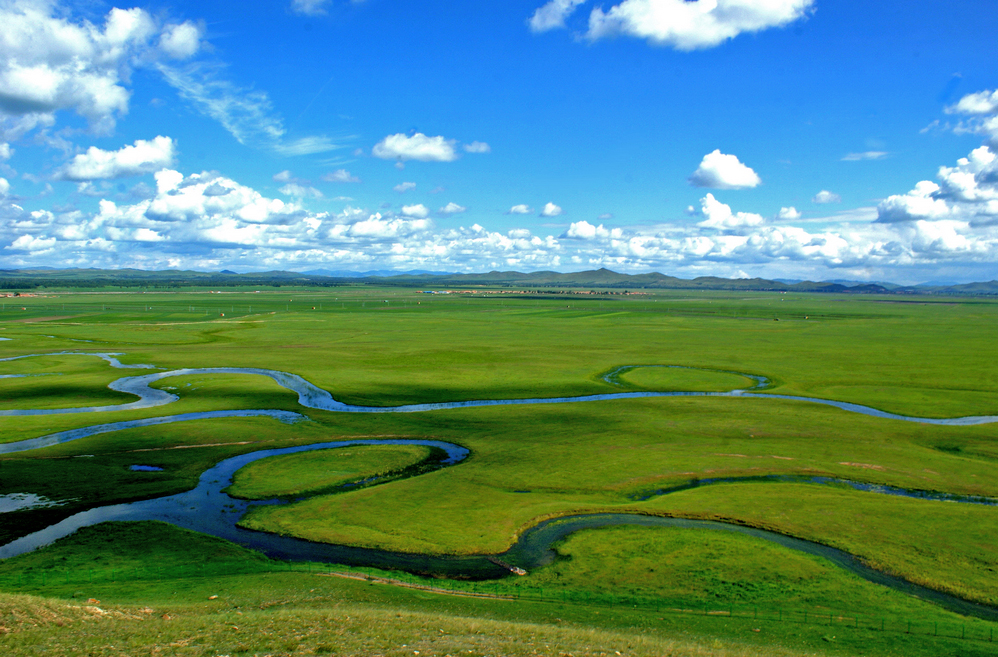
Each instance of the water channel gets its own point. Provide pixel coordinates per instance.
(208, 509)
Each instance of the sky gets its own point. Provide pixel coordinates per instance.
(792, 139)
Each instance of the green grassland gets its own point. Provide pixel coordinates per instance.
(158, 587)
(530, 462)
(668, 379)
(309, 474)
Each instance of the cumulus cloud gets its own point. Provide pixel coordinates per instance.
(32, 244)
(181, 41)
(825, 196)
(209, 221)
(417, 147)
(4, 187)
(418, 210)
(452, 208)
(720, 171)
(404, 187)
(141, 158)
(49, 62)
(340, 176)
(551, 210)
(982, 108)
(552, 15)
(522, 208)
(866, 155)
(685, 25)
(788, 214)
(477, 147)
(982, 102)
(967, 192)
(583, 230)
(5, 151)
(719, 216)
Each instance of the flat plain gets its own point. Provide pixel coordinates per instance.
(788, 466)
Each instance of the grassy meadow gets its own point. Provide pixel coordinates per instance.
(384, 347)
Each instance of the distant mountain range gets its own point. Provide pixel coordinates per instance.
(596, 279)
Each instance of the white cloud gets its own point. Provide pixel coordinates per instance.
(973, 179)
(967, 192)
(605, 216)
(341, 176)
(248, 115)
(825, 196)
(31, 243)
(141, 158)
(417, 147)
(4, 187)
(452, 208)
(551, 210)
(181, 41)
(418, 210)
(788, 214)
(691, 25)
(552, 15)
(49, 62)
(309, 7)
(300, 191)
(376, 227)
(720, 171)
(284, 176)
(982, 107)
(404, 187)
(982, 102)
(866, 155)
(5, 151)
(718, 216)
(520, 209)
(305, 146)
(583, 230)
(477, 147)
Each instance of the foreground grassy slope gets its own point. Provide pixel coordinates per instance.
(301, 613)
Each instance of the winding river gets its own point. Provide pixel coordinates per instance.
(312, 396)
(208, 509)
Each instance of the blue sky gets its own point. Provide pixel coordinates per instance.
(780, 138)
